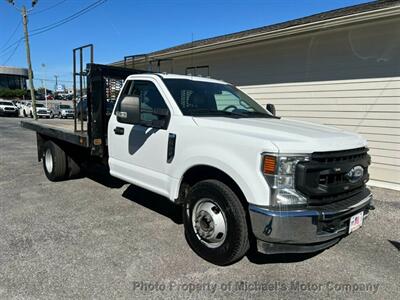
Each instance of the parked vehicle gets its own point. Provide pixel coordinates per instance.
(82, 109)
(239, 172)
(63, 111)
(41, 110)
(7, 108)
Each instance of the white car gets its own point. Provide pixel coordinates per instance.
(64, 111)
(7, 108)
(41, 110)
(26, 109)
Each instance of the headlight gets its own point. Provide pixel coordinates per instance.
(279, 170)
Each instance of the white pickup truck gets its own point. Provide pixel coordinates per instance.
(244, 177)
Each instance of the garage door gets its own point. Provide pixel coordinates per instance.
(370, 107)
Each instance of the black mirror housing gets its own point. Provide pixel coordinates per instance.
(129, 110)
(271, 108)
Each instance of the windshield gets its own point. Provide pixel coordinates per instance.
(39, 105)
(6, 103)
(65, 106)
(200, 98)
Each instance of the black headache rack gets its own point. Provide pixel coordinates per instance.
(103, 85)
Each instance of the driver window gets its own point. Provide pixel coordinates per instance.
(149, 97)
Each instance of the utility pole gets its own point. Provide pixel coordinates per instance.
(28, 59)
(24, 14)
(44, 80)
(56, 86)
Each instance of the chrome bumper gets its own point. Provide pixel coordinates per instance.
(305, 230)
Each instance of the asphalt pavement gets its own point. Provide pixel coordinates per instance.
(98, 237)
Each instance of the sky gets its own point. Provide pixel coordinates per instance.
(118, 28)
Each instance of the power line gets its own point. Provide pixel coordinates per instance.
(48, 8)
(67, 19)
(53, 80)
(13, 52)
(12, 35)
(58, 23)
(10, 46)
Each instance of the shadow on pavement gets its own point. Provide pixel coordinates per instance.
(395, 244)
(154, 202)
(261, 259)
(101, 174)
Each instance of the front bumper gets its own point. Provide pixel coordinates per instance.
(67, 115)
(305, 230)
(43, 114)
(9, 113)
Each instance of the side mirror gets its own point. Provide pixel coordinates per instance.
(129, 110)
(271, 108)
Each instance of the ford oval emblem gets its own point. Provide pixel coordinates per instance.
(355, 174)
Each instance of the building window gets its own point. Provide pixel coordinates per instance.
(198, 71)
(12, 82)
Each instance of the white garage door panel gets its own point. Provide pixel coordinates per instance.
(384, 146)
(386, 161)
(376, 84)
(356, 122)
(319, 94)
(327, 100)
(370, 107)
(368, 129)
(383, 152)
(341, 114)
(387, 138)
(385, 173)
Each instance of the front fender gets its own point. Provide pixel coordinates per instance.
(245, 172)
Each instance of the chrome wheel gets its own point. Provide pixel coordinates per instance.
(209, 223)
(48, 160)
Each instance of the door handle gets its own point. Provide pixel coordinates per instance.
(119, 130)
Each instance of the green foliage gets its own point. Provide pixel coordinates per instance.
(12, 94)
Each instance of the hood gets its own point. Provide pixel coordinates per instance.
(7, 106)
(289, 136)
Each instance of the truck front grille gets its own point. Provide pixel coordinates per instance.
(329, 176)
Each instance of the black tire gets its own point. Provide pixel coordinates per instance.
(31, 115)
(58, 171)
(236, 242)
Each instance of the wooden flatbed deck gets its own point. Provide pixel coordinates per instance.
(59, 129)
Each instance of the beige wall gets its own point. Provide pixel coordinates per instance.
(347, 77)
(369, 50)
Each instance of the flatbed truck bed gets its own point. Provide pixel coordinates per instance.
(58, 129)
(88, 138)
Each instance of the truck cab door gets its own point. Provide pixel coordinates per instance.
(138, 146)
